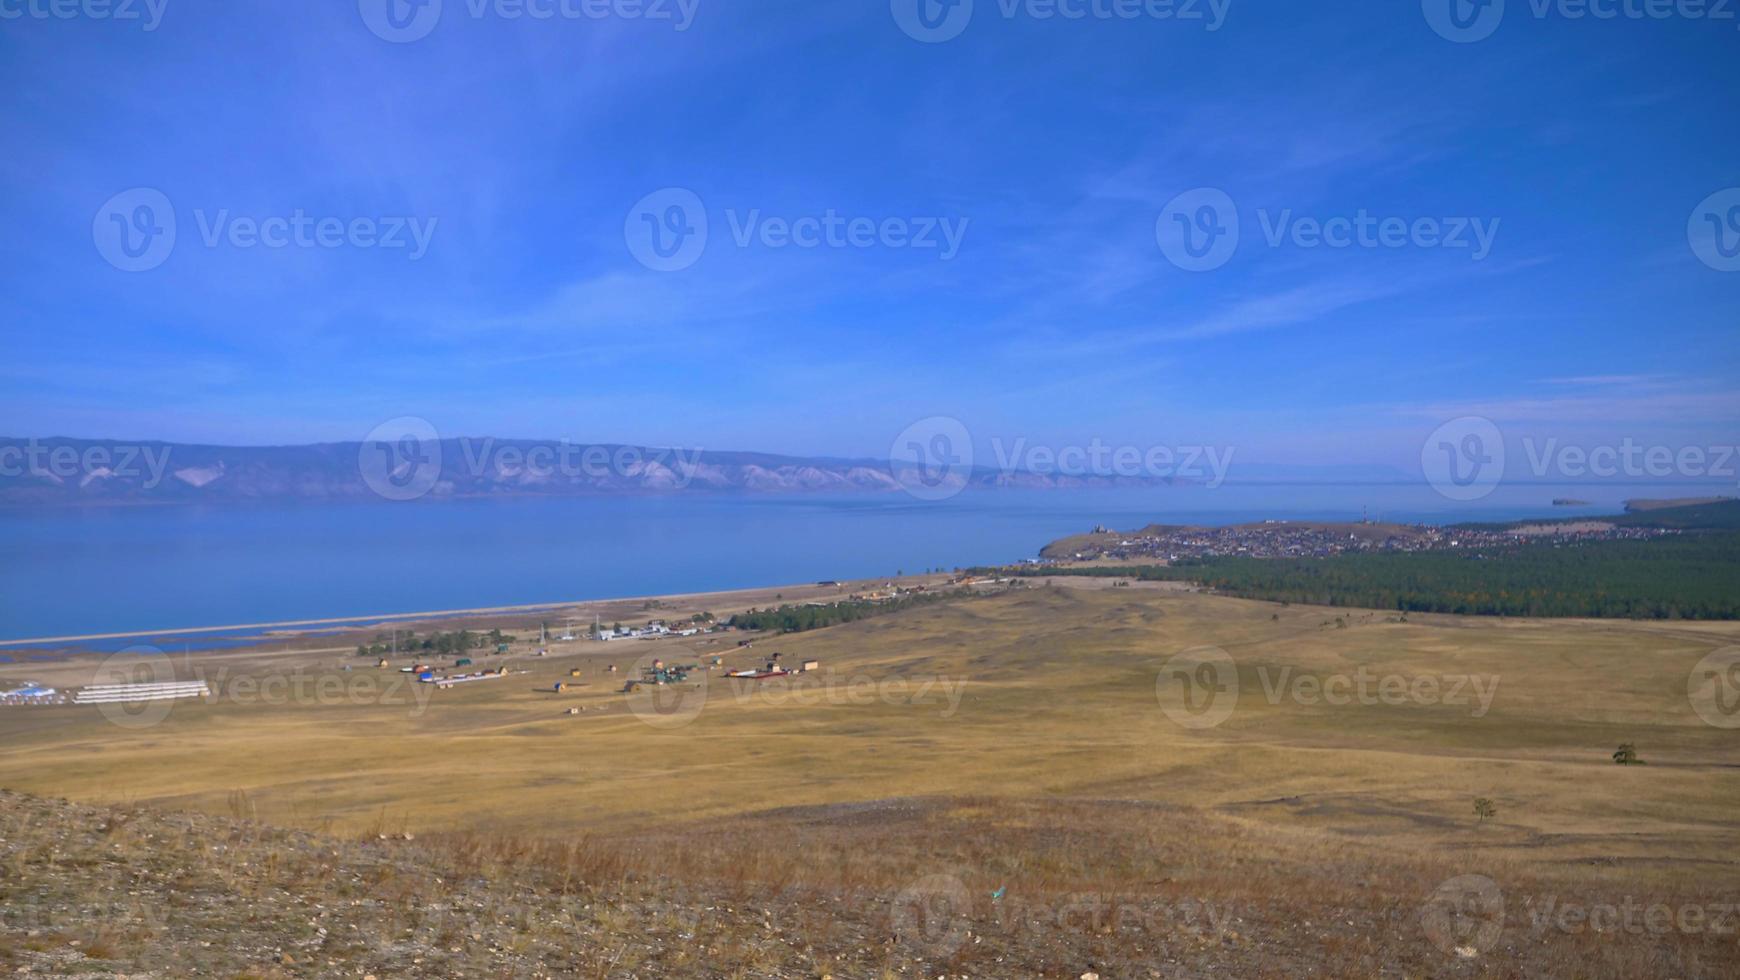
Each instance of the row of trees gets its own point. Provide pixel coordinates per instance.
(458, 641)
(797, 619)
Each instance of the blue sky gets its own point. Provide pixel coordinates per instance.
(1052, 145)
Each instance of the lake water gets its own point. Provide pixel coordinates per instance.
(102, 570)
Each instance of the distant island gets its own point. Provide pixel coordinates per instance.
(1644, 506)
(1569, 502)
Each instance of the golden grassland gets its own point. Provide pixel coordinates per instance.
(1016, 741)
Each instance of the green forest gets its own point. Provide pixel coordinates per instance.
(1694, 576)
(796, 619)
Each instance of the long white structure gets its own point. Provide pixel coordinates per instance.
(120, 693)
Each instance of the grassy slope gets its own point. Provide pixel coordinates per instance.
(1058, 743)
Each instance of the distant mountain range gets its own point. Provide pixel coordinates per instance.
(60, 471)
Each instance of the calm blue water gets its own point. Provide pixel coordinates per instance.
(103, 570)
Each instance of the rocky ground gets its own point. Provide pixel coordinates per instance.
(134, 892)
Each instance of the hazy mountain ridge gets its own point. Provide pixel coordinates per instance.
(63, 471)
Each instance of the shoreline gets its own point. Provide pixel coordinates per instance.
(297, 626)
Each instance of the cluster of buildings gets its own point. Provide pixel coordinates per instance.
(32, 693)
(654, 630)
(1289, 539)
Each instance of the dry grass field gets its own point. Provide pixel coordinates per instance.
(1025, 783)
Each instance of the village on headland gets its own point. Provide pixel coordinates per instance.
(1313, 539)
